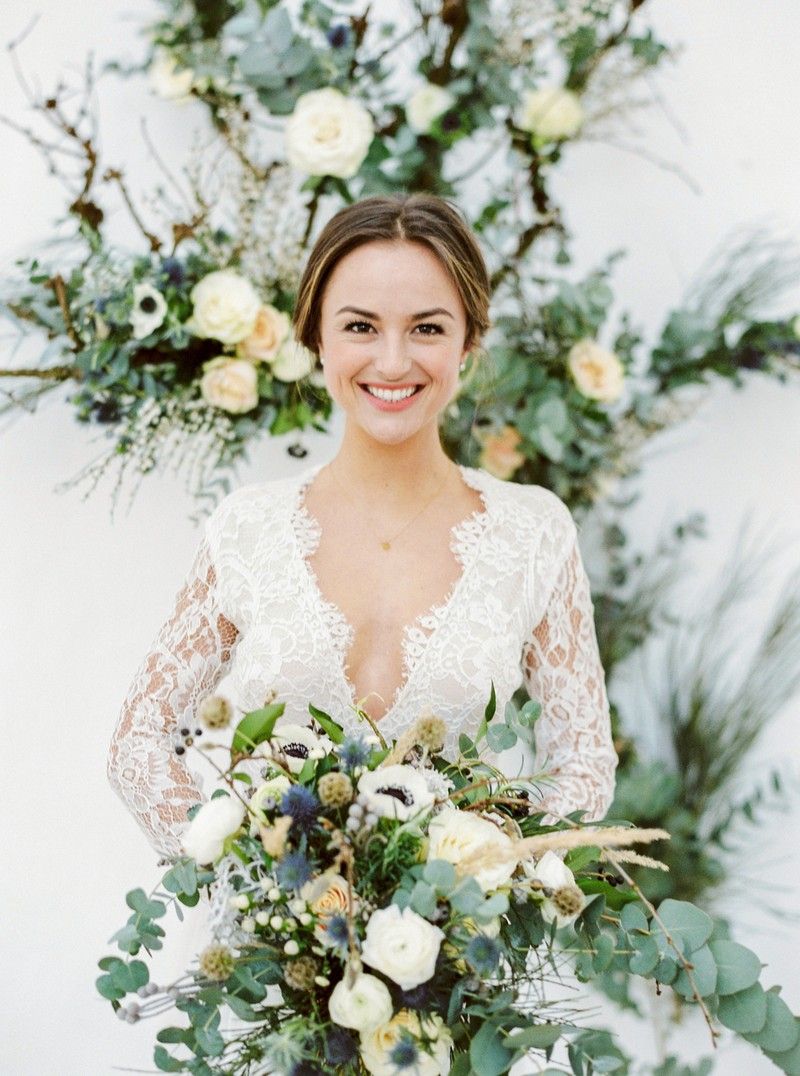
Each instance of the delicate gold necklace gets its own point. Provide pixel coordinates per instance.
(386, 543)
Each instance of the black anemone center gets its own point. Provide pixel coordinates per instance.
(147, 304)
(399, 793)
(296, 750)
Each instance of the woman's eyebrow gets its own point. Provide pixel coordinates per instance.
(376, 317)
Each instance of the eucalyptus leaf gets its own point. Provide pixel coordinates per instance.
(745, 1011)
(487, 1053)
(780, 1030)
(737, 966)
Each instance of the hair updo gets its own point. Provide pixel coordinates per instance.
(417, 218)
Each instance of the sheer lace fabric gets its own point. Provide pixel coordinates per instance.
(519, 613)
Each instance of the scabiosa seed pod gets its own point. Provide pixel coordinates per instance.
(215, 712)
(568, 900)
(335, 789)
(430, 732)
(300, 974)
(217, 963)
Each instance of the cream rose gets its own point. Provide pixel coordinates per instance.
(402, 945)
(551, 112)
(425, 104)
(230, 384)
(269, 332)
(328, 134)
(166, 79)
(499, 455)
(377, 1045)
(457, 835)
(292, 362)
(362, 1007)
(598, 373)
(226, 306)
(217, 819)
(326, 896)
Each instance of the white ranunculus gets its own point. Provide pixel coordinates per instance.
(217, 819)
(552, 872)
(149, 309)
(328, 134)
(269, 332)
(376, 1045)
(166, 79)
(230, 384)
(226, 306)
(298, 744)
(599, 374)
(457, 835)
(551, 112)
(394, 791)
(402, 945)
(364, 1006)
(425, 104)
(292, 362)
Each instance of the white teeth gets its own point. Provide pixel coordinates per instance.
(391, 395)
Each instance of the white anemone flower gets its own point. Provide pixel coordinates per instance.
(298, 743)
(149, 310)
(394, 792)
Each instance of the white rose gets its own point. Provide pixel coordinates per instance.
(376, 1045)
(292, 362)
(552, 872)
(217, 819)
(166, 80)
(364, 1007)
(149, 309)
(230, 384)
(328, 134)
(402, 945)
(226, 306)
(269, 332)
(394, 792)
(598, 373)
(425, 104)
(457, 835)
(551, 112)
(298, 744)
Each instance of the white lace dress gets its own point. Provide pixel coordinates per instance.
(251, 609)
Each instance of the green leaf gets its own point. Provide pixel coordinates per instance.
(256, 726)
(632, 917)
(685, 922)
(130, 977)
(165, 1061)
(440, 873)
(746, 1011)
(209, 1038)
(737, 966)
(788, 1061)
(488, 714)
(423, 899)
(108, 988)
(500, 737)
(241, 1008)
(493, 906)
(141, 903)
(173, 1035)
(704, 973)
(488, 1055)
(781, 1031)
(334, 731)
(536, 1037)
(646, 957)
(467, 897)
(182, 877)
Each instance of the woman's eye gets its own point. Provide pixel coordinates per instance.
(430, 325)
(350, 324)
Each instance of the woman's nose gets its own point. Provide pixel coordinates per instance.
(392, 359)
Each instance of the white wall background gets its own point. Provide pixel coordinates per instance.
(82, 597)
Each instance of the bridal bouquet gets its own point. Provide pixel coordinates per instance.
(377, 908)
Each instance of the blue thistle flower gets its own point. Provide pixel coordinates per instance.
(482, 954)
(301, 805)
(293, 871)
(405, 1053)
(338, 35)
(340, 1046)
(336, 930)
(353, 752)
(174, 270)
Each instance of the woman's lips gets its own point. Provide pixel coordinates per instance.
(391, 405)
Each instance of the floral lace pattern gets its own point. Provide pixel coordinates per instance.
(519, 614)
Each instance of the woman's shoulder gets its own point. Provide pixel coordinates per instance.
(255, 502)
(530, 505)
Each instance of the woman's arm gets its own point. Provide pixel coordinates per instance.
(188, 657)
(562, 670)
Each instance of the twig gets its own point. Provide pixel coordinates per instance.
(115, 175)
(52, 373)
(57, 284)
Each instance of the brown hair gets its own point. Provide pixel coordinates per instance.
(419, 218)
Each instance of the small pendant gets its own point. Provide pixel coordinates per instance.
(385, 545)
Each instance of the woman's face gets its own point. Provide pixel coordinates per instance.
(392, 319)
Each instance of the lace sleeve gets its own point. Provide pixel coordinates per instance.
(562, 670)
(188, 657)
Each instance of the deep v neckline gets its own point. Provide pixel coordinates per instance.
(416, 636)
